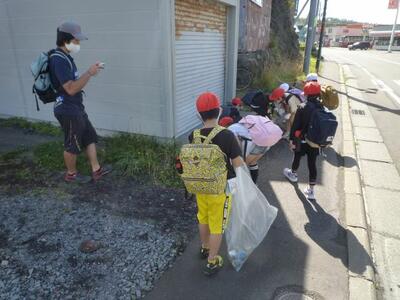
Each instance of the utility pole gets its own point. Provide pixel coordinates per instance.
(310, 36)
(394, 29)
(321, 37)
(301, 11)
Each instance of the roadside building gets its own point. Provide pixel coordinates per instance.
(381, 37)
(344, 35)
(159, 54)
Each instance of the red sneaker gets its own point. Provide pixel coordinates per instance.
(96, 175)
(76, 177)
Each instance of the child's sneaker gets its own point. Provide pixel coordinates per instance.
(204, 252)
(309, 193)
(290, 175)
(212, 267)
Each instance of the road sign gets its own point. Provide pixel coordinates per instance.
(393, 4)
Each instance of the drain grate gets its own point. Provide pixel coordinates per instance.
(359, 112)
(294, 296)
(295, 292)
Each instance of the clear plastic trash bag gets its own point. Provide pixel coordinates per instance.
(250, 220)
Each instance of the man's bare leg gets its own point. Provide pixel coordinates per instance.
(70, 162)
(92, 156)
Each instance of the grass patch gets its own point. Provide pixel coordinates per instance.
(132, 155)
(45, 128)
(12, 154)
(143, 156)
(287, 71)
(313, 66)
(50, 157)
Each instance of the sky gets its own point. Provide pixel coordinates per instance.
(370, 11)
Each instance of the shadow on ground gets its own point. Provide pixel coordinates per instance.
(325, 231)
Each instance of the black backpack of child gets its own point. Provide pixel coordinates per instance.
(322, 127)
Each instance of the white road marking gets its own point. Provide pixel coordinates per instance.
(388, 90)
(384, 87)
(397, 82)
(384, 60)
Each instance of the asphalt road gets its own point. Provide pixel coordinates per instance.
(378, 78)
(305, 250)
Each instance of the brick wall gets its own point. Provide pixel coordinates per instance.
(254, 25)
(199, 16)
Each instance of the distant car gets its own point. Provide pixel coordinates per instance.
(360, 45)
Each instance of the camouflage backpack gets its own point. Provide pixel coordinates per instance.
(204, 165)
(330, 97)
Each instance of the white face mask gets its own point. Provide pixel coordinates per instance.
(73, 48)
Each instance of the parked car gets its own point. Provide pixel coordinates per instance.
(360, 45)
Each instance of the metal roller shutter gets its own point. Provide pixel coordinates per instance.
(200, 56)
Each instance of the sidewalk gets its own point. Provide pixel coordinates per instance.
(304, 256)
(373, 187)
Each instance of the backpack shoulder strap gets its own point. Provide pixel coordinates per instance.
(288, 97)
(197, 137)
(292, 95)
(62, 55)
(213, 134)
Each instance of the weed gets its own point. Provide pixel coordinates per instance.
(133, 155)
(12, 154)
(23, 174)
(143, 156)
(50, 156)
(279, 73)
(46, 128)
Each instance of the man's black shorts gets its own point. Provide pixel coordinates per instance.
(78, 132)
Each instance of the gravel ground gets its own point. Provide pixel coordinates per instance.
(139, 230)
(136, 231)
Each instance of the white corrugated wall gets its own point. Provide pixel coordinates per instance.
(200, 55)
(131, 37)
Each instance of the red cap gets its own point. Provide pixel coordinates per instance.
(277, 94)
(207, 101)
(225, 121)
(312, 88)
(236, 101)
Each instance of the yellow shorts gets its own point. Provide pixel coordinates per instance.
(214, 210)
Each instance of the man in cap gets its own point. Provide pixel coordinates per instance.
(69, 110)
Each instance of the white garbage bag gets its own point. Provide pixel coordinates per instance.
(250, 220)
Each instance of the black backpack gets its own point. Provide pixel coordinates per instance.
(322, 127)
(231, 111)
(42, 87)
(250, 99)
(258, 102)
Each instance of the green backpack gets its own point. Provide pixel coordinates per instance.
(204, 165)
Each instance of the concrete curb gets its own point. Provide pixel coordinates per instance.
(361, 286)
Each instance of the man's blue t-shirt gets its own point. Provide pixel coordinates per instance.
(60, 73)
